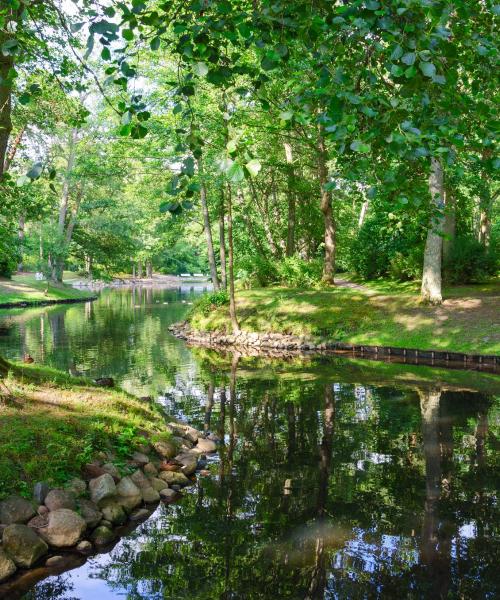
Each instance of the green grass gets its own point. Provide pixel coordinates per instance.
(383, 313)
(25, 288)
(51, 424)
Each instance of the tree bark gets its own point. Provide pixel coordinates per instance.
(362, 214)
(208, 230)
(326, 209)
(6, 63)
(431, 291)
(449, 225)
(291, 219)
(63, 208)
(139, 269)
(232, 303)
(149, 269)
(13, 149)
(222, 243)
(21, 235)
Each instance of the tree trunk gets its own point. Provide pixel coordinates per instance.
(149, 269)
(13, 149)
(449, 225)
(63, 208)
(431, 276)
(291, 219)
(222, 244)
(232, 303)
(139, 269)
(326, 209)
(208, 229)
(484, 224)
(133, 271)
(21, 235)
(6, 64)
(362, 214)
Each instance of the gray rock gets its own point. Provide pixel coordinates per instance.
(101, 488)
(39, 521)
(77, 486)
(174, 477)
(168, 494)
(55, 561)
(150, 470)
(85, 547)
(23, 545)
(140, 480)
(150, 495)
(16, 510)
(139, 514)
(40, 491)
(7, 566)
(127, 487)
(42, 510)
(113, 512)
(57, 499)
(64, 529)
(205, 446)
(140, 458)
(129, 502)
(102, 536)
(106, 523)
(2, 529)
(165, 449)
(158, 484)
(189, 461)
(110, 468)
(90, 513)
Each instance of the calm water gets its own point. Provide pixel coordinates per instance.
(336, 479)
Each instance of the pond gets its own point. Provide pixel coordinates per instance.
(335, 479)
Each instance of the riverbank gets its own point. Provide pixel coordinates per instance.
(24, 290)
(78, 461)
(467, 321)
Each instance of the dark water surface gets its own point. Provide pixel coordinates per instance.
(336, 478)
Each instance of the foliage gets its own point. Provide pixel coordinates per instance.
(207, 303)
(470, 262)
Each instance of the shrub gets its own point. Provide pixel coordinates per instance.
(296, 272)
(257, 271)
(470, 262)
(211, 301)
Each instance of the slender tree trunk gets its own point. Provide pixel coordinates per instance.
(13, 149)
(222, 243)
(362, 214)
(133, 271)
(484, 222)
(21, 235)
(149, 269)
(232, 303)
(326, 209)
(63, 208)
(431, 276)
(6, 64)
(449, 225)
(208, 229)
(139, 269)
(290, 237)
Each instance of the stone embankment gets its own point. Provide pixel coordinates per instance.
(278, 344)
(91, 512)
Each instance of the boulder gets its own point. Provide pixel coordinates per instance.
(140, 480)
(205, 446)
(150, 495)
(23, 545)
(173, 477)
(102, 536)
(106, 523)
(101, 488)
(105, 382)
(90, 513)
(64, 529)
(129, 502)
(92, 470)
(127, 487)
(168, 495)
(158, 484)
(165, 449)
(150, 470)
(42, 510)
(140, 458)
(112, 470)
(77, 486)
(40, 491)
(85, 547)
(7, 566)
(113, 511)
(16, 510)
(57, 499)
(139, 514)
(56, 561)
(189, 462)
(38, 522)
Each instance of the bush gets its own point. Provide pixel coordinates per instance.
(296, 272)
(210, 302)
(470, 262)
(257, 271)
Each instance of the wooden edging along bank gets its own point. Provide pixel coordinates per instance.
(31, 303)
(277, 343)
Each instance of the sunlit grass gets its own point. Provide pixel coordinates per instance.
(25, 288)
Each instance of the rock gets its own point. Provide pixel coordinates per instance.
(204, 473)
(105, 382)
(113, 511)
(7, 566)
(39, 521)
(130, 502)
(85, 547)
(16, 510)
(168, 494)
(158, 484)
(150, 495)
(191, 434)
(93, 470)
(189, 462)
(106, 523)
(57, 499)
(77, 486)
(90, 512)
(102, 536)
(140, 458)
(55, 561)
(213, 437)
(150, 470)
(64, 529)
(127, 487)
(176, 487)
(101, 488)
(112, 470)
(42, 510)
(170, 466)
(140, 480)
(165, 449)
(40, 491)
(2, 529)
(23, 545)
(139, 514)
(173, 477)
(205, 446)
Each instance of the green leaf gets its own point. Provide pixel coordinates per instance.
(106, 53)
(126, 118)
(200, 69)
(253, 167)
(155, 43)
(408, 58)
(286, 115)
(35, 171)
(24, 98)
(236, 173)
(10, 47)
(410, 72)
(427, 68)
(396, 70)
(397, 53)
(231, 146)
(128, 35)
(359, 146)
(74, 27)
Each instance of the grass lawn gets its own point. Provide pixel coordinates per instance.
(379, 313)
(25, 288)
(51, 424)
